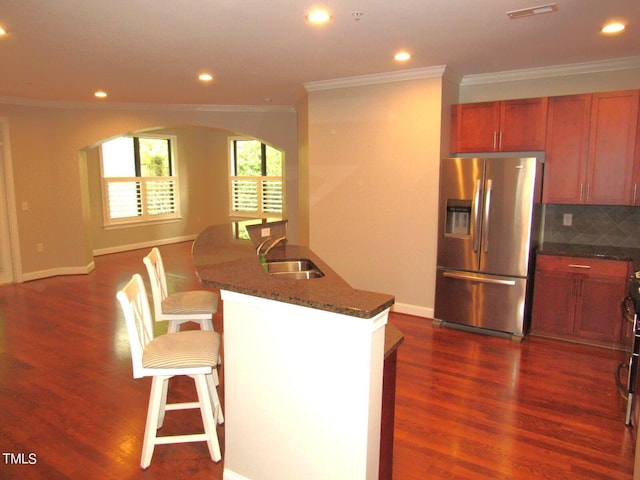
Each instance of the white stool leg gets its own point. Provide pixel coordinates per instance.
(155, 399)
(206, 324)
(208, 418)
(163, 401)
(215, 399)
(174, 326)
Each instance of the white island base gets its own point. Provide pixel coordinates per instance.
(302, 391)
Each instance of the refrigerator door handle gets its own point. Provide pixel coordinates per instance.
(477, 278)
(487, 211)
(476, 216)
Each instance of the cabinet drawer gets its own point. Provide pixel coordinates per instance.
(583, 265)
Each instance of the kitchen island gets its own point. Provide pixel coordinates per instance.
(303, 365)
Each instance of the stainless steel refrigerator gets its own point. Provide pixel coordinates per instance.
(488, 230)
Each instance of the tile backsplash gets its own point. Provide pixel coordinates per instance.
(592, 225)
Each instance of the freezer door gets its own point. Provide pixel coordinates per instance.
(511, 191)
(460, 207)
(483, 301)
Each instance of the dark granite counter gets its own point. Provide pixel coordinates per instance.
(221, 261)
(393, 338)
(592, 251)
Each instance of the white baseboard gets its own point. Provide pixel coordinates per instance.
(410, 309)
(54, 272)
(138, 246)
(231, 475)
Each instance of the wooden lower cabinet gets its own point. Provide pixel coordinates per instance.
(578, 299)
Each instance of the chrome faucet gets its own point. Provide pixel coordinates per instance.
(262, 245)
(275, 242)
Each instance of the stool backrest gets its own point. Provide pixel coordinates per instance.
(135, 307)
(157, 279)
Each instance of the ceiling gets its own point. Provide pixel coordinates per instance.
(263, 52)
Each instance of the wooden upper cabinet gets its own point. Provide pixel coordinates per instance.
(523, 124)
(591, 142)
(474, 127)
(566, 149)
(507, 126)
(590, 148)
(612, 138)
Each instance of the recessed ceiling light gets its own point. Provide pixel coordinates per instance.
(2, 31)
(318, 16)
(402, 56)
(527, 12)
(613, 27)
(100, 94)
(205, 77)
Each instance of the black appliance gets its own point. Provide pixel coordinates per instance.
(631, 315)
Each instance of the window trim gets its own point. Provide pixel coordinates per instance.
(142, 185)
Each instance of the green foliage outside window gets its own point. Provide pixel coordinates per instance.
(155, 158)
(249, 159)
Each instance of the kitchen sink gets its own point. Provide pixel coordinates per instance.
(298, 269)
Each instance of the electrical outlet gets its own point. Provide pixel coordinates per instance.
(40, 247)
(567, 219)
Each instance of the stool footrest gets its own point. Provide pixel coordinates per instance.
(193, 437)
(182, 406)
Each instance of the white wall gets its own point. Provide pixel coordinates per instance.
(374, 153)
(49, 169)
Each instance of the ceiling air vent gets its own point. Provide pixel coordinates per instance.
(527, 12)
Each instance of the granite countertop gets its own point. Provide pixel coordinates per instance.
(592, 251)
(224, 262)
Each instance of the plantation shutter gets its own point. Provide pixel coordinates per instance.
(256, 196)
(140, 198)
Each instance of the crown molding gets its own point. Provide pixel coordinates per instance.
(376, 78)
(626, 63)
(439, 71)
(28, 102)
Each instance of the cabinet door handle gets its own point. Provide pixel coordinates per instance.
(581, 193)
(495, 139)
(588, 192)
(635, 193)
(500, 141)
(578, 265)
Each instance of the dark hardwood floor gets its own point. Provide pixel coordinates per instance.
(468, 406)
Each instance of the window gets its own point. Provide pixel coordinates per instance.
(256, 179)
(139, 180)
